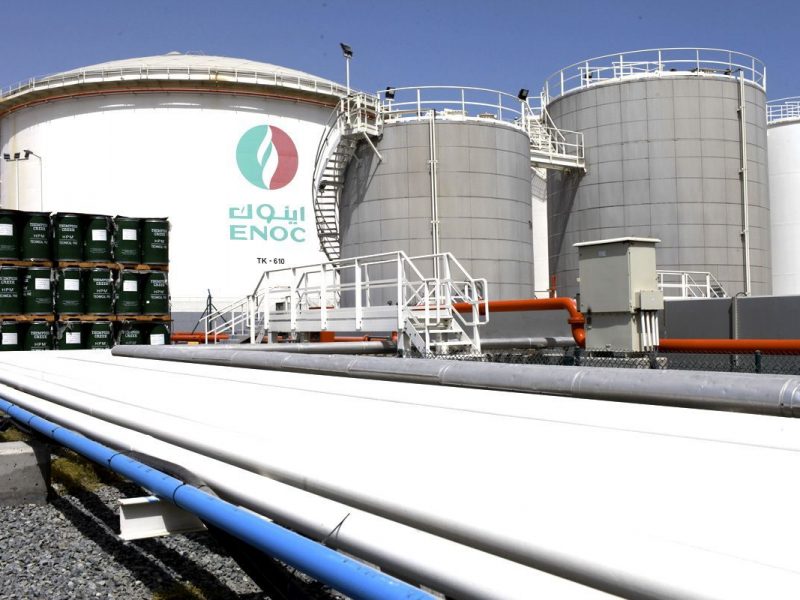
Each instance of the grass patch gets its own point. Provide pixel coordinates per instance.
(180, 591)
(12, 434)
(76, 473)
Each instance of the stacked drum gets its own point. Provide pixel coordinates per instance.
(71, 281)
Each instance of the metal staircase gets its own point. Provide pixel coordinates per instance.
(357, 118)
(381, 293)
(551, 147)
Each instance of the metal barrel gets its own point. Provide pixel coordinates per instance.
(97, 239)
(9, 241)
(98, 335)
(39, 336)
(69, 336)
(155, 241)
(11, 290)
(35, 238)
(155, 296)
(9, 336)
(68, 237)
(37, 297)
(129, 334)
(126, 240)
(69, 292)
(129, 299)
(98, 289)
(159, 335)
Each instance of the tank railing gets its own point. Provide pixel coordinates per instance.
(244, 76)
(690, 284)
(783, 109)
(655, 63)
(454, 102)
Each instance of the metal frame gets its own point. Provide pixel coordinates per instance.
(348, 295)
(659, 62)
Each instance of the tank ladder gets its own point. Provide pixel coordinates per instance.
(551, 147)
(357, 118)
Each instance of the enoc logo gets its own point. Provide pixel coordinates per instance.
(267, 157)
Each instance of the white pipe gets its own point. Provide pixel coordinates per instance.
(745, 184)
(665, 555)
(438, 563)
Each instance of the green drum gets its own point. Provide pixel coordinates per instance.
(69, 292)
(10, 290)
(126, 240)
(37, 296)
(130, 334)
(35, 243)
(98, 291)
(68, 237)
(9, 336)
(155, 241)
(39, 336)
(69, 336)
(129, 300)
(159, 335)
(9, 242)
(97, 239)
(98, 335)
(155, 296)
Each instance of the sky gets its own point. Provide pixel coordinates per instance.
(503, 45)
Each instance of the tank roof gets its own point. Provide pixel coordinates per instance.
(175, 71)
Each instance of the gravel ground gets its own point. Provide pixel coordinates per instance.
(70, 548)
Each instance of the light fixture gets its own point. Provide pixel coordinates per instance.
(346, 50)
(523, 94)
(389, 93)
(6, 157)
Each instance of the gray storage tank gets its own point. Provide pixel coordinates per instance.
(664, 150)
(482, 178)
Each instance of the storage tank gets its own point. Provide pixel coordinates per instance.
(462, 154)
(783, 135)
(224, 147)
(664, 158)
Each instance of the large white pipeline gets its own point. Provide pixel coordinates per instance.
(530, 488)
(443, 565)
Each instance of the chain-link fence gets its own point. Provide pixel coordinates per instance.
(750, 362)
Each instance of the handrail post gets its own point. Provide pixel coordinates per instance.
(293, 304)
(400, 299)
(251, 317)
(323, 300)
(359, 314)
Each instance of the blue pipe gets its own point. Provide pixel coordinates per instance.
(332, 568)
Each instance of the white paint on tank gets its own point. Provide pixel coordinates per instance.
(175, 155)
(784, 194)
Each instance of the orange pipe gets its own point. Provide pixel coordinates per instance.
(185, 336)
(731, 346)
(576, 318)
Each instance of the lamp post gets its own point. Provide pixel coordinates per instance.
(26, 155)
(347, 51)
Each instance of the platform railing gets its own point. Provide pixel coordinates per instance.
(689, 284)
(783, 109)
(702, 62)
(241, 76)
(453, 102)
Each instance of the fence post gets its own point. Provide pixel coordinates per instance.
(758, 357)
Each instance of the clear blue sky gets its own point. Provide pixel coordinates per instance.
(503, 44)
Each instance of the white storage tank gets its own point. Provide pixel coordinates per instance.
(783, 138)
(224, 147)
